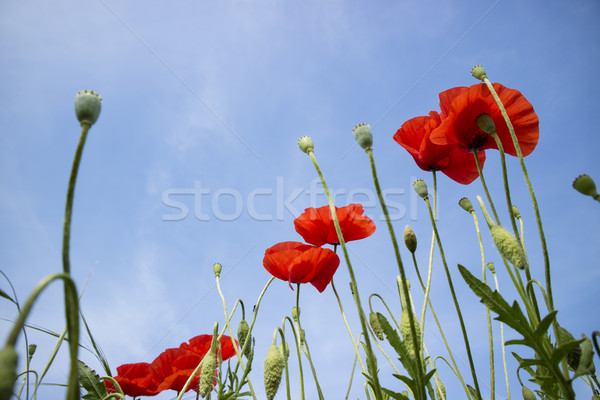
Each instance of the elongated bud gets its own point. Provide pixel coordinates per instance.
(306, 144)
(87, 106)
(375, 325)
(421, 188)
(440, 391)
(584, 184)
(295, 313)
(242, 335)
(486, 123)
(363, 135)
(31, 351)
(217, 267)
(410, 239)
(274, 364)
(478, 72)
(516, 212)
(528, 394)
(466, 205)
(508, 246)
(8, 371)
(207, 374)
(407, 334)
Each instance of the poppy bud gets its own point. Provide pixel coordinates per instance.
(242, 335)
(528, 394)
(440, 391)
(8, 371)
(407, 334)
(465, 204)
(207, 374)
(516, 212)
(491, 267)
(478, 72)
(217, 267)
(363, 135)
(306, 144)
(486, 123)
(375, 325)
(421, 188)
(31, 350)
(508, 246)
(585, 185)
(87, 106)
(284, 349)
(274, 364)
(410, 239)
(295, 313)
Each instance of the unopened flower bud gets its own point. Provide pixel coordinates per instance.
(528, 394)
(207, 374)
(465, 204)
(486, 123)
(478, 72)
(274, 364)
(217, 267)
(284, 349)
(516, 212)
(584, 184)
(242, 336)
(508, 246)
(375, 325)
(31, 350)
(440, 391)
(407, 335)
(295, 313)
(306, 144)
(410, 239)
(491, 267)
(87, 106)
(421, 188)
(363, 135)
(8, 371)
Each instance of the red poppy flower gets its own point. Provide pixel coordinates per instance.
(414, 136)
(173, 367)
(135, 380)
(297, 262)
(201, 345)
(462, 105)
(316, 226)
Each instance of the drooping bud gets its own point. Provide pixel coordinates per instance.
(375, 325)
(478, 72)
(217, 267)
(87, 106)
(421, 188)
(528, 394)
(407, 335)
(284, 349)
(410, 239)
(508, 246)
(465, 204)
(8, 371)
(584, 184)
(295, 313)
(486, 123)
(363, 135)
(207, 374)
(242, 336)
(274, 364)
(306, 144)
(440, 390)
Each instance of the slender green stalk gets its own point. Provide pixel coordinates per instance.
(453, 293)
(485, 188)
(371, 360)
(297, 341)
(351, 377)
(411, 317)
(502, 340)
(305, 344)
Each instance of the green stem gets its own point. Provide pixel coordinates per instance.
(297, 341)
(411, 317)
(371, 360)
(453, 293)
(485, 188)
(503, 345)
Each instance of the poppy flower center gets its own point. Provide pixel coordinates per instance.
(478, 139)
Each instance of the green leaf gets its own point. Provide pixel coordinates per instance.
(542, 328)
(6, 296)
(473, 393)
(562, 350)
(90, 381)
(397, 344)
(395, 395)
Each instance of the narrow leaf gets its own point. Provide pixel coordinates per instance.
(90, 381)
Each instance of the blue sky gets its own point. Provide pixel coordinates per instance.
(210, 98)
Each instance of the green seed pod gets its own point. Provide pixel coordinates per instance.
(217, 267)
(410, 239)
(305, 144)
(363, 135)
(207, 374)
(407, 334)
(486, 123)
(574, 355)
(478, 72)
(242, 336)
(31, 351)
(466, 205)
(274, 364)
(87, 106)
(375, 325)
(584, 184)
(440, 391)
(528, 394)
(508, 246)
(8, 371)
(421, 188)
